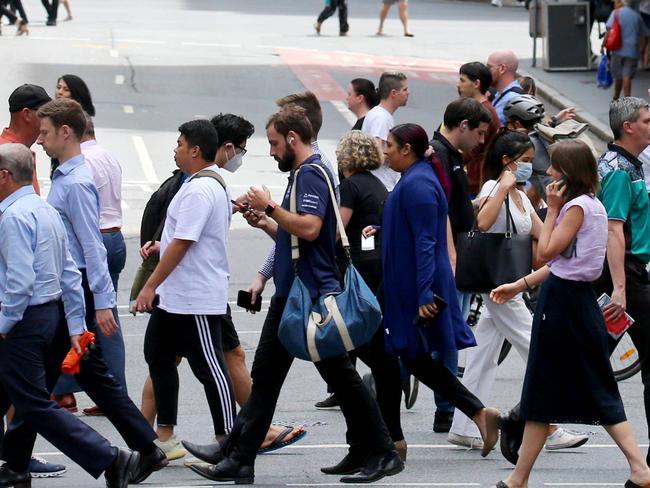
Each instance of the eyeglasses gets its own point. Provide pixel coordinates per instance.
(242, 149)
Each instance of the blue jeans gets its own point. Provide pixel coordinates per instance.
(450, 358)
(113, 346)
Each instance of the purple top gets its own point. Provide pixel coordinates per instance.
(586, 262)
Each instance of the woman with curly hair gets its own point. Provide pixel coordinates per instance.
(362, 201)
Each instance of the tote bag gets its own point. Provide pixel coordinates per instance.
(486, 260)
(614, 38)
(333, 324)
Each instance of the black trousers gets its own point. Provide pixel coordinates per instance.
(100, 386)
(24, 363)
(366, 434)
(329, 10)
(52, 8)
(637, 299)
(436, 376)
(198, 338)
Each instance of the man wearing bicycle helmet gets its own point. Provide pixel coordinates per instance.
(523, 113)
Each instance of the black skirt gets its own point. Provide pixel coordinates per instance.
(569, 378)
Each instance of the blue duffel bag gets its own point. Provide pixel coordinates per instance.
(333, 324)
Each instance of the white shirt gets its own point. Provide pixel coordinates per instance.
(107, 174)
(523, 221)
(199, 212)
(378, 123)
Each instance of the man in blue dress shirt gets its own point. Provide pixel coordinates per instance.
(36, 274)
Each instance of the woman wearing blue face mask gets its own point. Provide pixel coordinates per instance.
(507, 166)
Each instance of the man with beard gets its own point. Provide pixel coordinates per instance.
(503, 69)
(372, 455)
(191, 281)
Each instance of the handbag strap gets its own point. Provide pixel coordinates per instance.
(509, 219)
(295, 251)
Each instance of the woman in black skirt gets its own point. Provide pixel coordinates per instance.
(569, 378)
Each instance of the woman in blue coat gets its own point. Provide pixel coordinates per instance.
(417, 275)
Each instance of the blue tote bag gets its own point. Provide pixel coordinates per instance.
(604, 75)
(333, 324)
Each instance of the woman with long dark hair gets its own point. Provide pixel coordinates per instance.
(569, 377)
(421, 310)
(71, 86)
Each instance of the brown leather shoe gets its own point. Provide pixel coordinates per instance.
(67, 401)
(93, 411)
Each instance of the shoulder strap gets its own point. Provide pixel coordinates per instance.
(509, 219)
(208, 173)
(295, 252)
(514, 89)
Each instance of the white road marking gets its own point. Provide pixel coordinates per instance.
(146, 188)
(145, 160)
(128, 109)
(113, 53)
(344, 111)
(119, 79)
(142, 41)
(74, 39)
(209, 44)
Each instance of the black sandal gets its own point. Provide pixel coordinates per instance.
(502, 484)
(631, 484)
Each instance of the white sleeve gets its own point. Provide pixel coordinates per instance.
(488, 189)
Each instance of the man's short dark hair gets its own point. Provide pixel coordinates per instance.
(65, 111)
(201, 133)
(477, 71)
(389, 81)
(310, 103)
(232, 128)
(292, 118)
(466, 108)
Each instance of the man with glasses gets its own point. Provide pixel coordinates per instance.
(503, 68)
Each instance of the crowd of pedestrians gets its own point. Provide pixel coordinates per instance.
(405, 202)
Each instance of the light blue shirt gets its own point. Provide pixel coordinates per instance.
(35, 264)
(500, 101)
(74, 196)
(632, 28)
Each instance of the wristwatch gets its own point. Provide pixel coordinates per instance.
(270, 208)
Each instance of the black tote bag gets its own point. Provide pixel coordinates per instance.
(486, 260)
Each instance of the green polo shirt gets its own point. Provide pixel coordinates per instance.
(624, 195)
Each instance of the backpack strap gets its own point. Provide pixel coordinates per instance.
(208, 173)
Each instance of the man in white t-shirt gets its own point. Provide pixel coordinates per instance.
(192, 283)
(393, 94)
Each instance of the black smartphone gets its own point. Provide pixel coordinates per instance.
(244, 299)
(441, 304)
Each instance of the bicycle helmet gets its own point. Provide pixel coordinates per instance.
(525, 108)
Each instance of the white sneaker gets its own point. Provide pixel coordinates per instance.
(563, 439)
(496, 3)
(469, 442)
(172, 448)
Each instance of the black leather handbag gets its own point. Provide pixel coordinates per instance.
(486, 260)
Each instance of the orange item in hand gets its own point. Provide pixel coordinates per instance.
(72, 362)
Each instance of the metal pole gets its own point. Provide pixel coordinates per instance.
(535, 33)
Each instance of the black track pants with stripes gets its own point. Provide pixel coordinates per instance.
(197, 338)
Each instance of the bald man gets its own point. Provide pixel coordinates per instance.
(503, 68)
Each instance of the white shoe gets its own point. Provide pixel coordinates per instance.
(563, 439)
(496, 3)
(172, 448)
(473, 443)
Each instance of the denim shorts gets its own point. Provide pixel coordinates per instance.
(622, 66)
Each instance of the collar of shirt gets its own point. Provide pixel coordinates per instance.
(21, 192)
(314, 158)
(625, 153)
(512, 84)
(8, 135)
(453, 151)
(68, 166)
(89, 143)
(212, 167)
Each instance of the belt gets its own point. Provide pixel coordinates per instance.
(110, 230)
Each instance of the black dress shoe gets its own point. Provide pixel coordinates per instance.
(227, 470)
(154, 461)
(210, 453)
(10, 478)
(377, 468)
(120, 471)
(350, 464)
(512, 434)
(442, 421)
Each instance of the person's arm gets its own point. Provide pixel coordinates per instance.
(488, 214)
(173, 255)
(553, 240)
(83, 213)
(16, 250)
(346, 215)
(616, 263)
(503, 293)
(72, 294)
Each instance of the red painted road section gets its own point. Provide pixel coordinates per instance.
(313, 68)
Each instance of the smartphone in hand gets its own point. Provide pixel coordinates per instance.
(244, 299)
